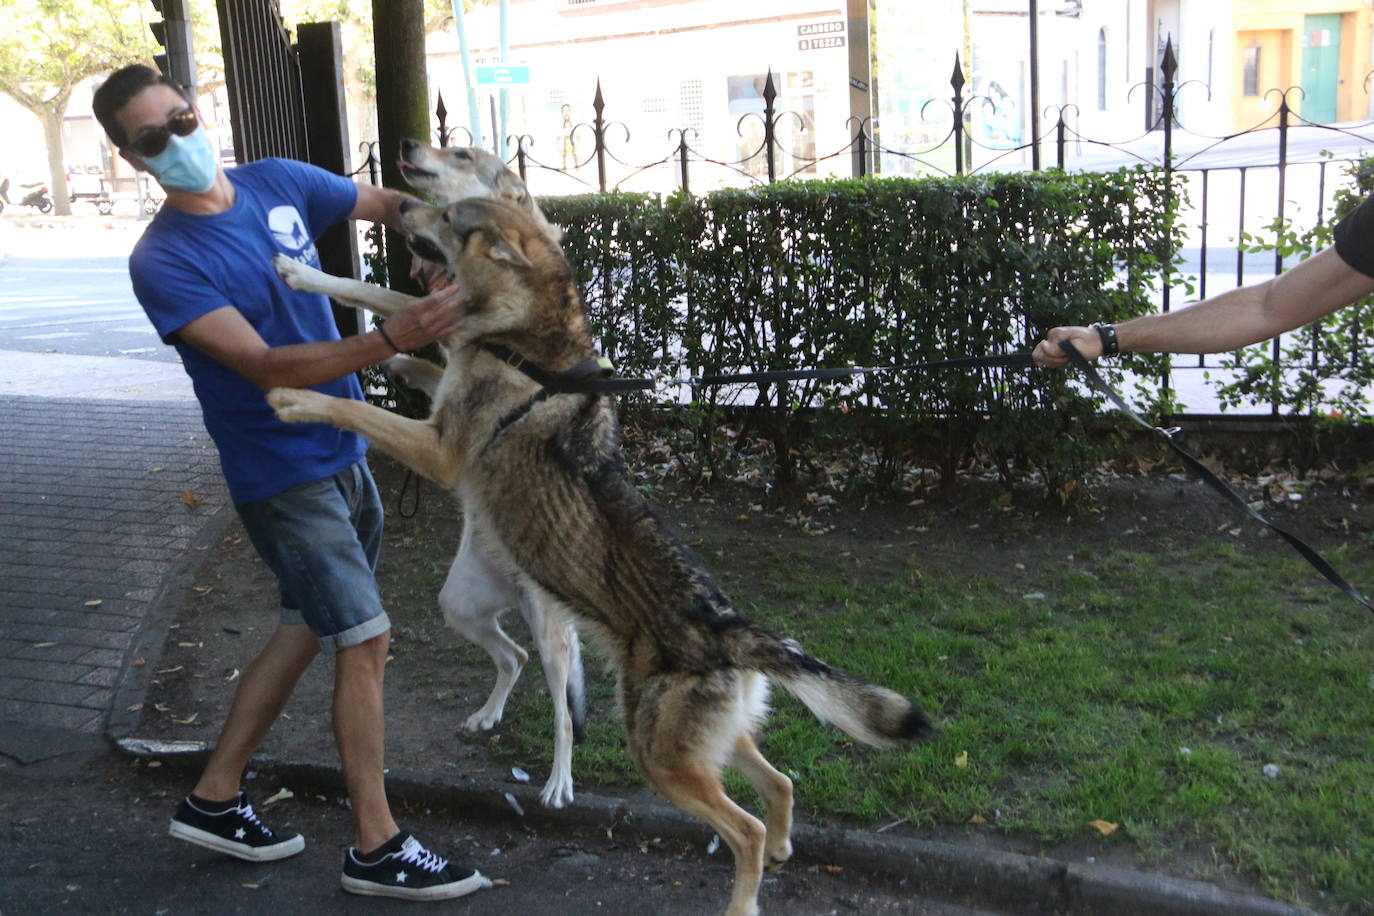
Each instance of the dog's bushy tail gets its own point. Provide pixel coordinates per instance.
(872, 714)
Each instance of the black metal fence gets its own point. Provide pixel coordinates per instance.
(1159, 148)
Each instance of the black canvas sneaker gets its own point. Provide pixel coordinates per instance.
(235, 830)
(403, 868)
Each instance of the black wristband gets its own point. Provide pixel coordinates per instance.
(387, 337)
(1107, 333)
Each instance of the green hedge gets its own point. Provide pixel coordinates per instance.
(873, 272)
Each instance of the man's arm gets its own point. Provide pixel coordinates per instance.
(1318, 286)
(227, 337)
(379, 205)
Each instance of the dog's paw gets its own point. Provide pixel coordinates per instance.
(557, 792)
(292, 272)
(298, 405)
(483, 720)
(775, 857)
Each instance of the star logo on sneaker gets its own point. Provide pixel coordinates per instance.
(401, 877)
(240, 833)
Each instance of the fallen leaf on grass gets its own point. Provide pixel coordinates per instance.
(1106, 828)
(190, 498)
(94, 602)
(189, 720)
(833, 869)
(202, 589)
(962, 760)
(978, 819)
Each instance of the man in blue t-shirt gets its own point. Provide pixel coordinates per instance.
(203, 273)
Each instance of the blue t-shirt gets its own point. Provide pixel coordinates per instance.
(187, 265)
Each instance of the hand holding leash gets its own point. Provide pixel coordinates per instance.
(1049, 354)
(426, 319)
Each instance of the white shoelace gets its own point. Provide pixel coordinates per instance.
(249, 815)
(415, 854)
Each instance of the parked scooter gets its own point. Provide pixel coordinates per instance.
(37, 197)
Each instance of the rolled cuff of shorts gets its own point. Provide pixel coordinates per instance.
(374, 626)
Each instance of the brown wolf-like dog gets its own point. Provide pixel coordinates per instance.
(477, 591)
(545, 475)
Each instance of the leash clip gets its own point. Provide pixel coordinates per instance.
(1169, 432)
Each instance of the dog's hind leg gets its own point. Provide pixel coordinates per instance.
(473, 597)
(776, 791)
(681, 730)
(695, 787)
(555, 635)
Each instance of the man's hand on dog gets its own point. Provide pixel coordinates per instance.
(427, 319)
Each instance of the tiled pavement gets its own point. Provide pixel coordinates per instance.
(102, 504)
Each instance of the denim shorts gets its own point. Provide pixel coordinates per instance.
(322, 539)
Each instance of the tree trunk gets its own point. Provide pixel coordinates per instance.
(57, 169)
(402, 105)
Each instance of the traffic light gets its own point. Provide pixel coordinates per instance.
(173, 33)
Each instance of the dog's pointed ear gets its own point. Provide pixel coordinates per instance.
(510, 187)
(505, 246)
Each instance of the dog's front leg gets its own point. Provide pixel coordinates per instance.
(414, 443)
(369, 296)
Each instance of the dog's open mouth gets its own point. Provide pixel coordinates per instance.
(410, 171)
(423, 248)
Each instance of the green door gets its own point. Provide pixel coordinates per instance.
(1321, 66)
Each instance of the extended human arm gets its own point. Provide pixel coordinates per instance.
(1313, 289)
(226, 336)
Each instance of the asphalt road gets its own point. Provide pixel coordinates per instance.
(85, 832)
(66, 290)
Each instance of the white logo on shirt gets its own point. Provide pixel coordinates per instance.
(288, 228)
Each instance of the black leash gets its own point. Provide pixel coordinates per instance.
(1212, 480)
(593, 376)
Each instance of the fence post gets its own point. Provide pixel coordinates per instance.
(860, 149)
(1170, 69)
(599, 135)
(1059, 138)
(682, 157)
(956, 81)
(1276, 348)
(442, 114)
(520, 153)
(769, 94)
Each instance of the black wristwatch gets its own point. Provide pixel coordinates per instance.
(1107, 332)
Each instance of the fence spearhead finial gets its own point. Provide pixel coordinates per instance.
(770, 92)
(957, 80)
(598, 103)
(1170, 63)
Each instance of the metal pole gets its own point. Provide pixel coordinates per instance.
(1035, 83)
(505, 93)
(465, 58)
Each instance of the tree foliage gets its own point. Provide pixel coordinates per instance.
(48, 47)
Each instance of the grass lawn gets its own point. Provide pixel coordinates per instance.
(1145, 685)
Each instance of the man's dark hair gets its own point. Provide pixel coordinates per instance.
(115, 92)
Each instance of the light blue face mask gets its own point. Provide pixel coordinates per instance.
(187, 164)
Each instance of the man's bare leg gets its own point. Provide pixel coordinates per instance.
(359, 732)
(263, 690)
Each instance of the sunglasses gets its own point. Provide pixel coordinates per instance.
(152, 143)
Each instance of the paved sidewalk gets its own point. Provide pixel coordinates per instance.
(102, 503)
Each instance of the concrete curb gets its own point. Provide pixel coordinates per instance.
(974, 876)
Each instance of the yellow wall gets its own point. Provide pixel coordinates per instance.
(1278, 27)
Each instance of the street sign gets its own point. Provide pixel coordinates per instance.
(503, 74)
